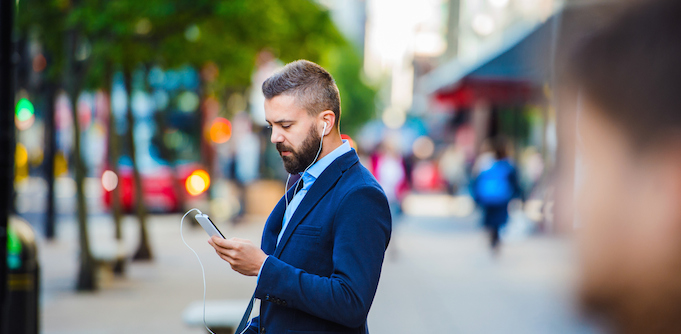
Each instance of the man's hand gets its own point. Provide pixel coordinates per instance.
(242, 255)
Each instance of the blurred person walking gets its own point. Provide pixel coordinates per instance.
(495, 185)
(452, 165)
(324, 243)
(388, 168)
(626, 78)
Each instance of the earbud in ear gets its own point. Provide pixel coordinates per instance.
(324, 131)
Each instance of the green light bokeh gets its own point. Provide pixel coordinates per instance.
(24, 110)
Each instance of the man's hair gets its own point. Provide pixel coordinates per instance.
(631, 71)
(312, 86)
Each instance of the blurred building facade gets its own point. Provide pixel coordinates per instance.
(458, 72)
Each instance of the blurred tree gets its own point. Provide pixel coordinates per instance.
(358, 99)
(74, 84)
(49, 16)
(49, 23)
(113, 150)
(228, 34)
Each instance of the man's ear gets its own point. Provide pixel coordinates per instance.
(328, 117)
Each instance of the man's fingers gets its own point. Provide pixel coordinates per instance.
(216, 241)
(227, 256)
(226, 251)
(243, 241)
(233, 243)
(232, 261)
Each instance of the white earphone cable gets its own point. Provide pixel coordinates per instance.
(321, 141)
(203, 272)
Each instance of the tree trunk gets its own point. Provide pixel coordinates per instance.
(114, 154)
(143, 251)
(74, 80)
(86, 275)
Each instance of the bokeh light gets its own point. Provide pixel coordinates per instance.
(143, 26)
(21, 163)
(423, 147)
(188, 101)
(197, 182)
(220, 130)
(61, 164)
(394, 118)
(483, 24)
(192, 33)
(175, 139)
(21, 155)
(25, 114)
(109, 180)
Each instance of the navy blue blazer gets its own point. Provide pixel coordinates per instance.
(323, 275)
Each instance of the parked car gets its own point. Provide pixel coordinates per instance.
(165, 188)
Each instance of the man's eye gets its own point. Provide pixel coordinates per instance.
(286, 126)
(268, 127)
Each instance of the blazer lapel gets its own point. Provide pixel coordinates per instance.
(321, 186)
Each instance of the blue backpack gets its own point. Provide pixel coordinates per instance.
(493, 185)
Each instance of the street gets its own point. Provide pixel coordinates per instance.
(438, 277)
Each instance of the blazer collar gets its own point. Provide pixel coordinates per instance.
(322, 185)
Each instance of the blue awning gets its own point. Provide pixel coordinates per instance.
(524, 55)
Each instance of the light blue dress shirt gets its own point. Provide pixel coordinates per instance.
(308, 178)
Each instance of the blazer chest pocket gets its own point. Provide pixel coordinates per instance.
(308, 231)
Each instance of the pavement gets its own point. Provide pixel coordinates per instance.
(438, 277)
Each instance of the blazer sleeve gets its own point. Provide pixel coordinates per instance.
(361, 232)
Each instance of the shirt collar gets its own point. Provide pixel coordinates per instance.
(324, 162)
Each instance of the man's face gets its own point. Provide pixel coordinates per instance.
(627, 213)
(293, 132)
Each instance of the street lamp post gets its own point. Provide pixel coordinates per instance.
(8, 145)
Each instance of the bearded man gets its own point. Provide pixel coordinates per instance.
(323, 244)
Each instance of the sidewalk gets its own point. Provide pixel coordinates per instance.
(438, 277)
(152, 296)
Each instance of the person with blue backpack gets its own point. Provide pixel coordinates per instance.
(494, 187)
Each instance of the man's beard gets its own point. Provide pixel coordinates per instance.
(300, 159)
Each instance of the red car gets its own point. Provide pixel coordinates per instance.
(163, 189)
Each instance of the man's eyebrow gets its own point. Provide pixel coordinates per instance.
(281, 121)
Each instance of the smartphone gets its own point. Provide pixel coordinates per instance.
(208, 225)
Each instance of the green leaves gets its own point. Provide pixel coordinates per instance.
(228, 33)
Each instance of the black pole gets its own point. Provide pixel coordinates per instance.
(7, 145)
(50, 150)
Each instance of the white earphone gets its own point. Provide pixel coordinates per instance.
(321, 141)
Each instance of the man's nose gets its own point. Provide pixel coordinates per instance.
(276, 136)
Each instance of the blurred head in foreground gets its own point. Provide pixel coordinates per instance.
(628, 79)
